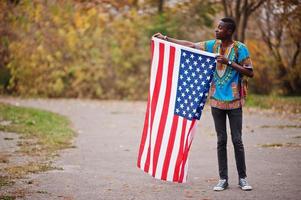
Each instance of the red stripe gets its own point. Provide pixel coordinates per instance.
(185, 154)
(170, 147)
(152, 52)
(144, 132)
(164, 113)
(180, 154)
(155, 96)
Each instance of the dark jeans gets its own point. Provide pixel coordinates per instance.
(235, 119)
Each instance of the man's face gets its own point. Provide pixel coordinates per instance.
(221, 31)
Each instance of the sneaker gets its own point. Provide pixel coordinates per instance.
(244, 185)
(222, 184)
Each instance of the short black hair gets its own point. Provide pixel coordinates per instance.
(230, 23)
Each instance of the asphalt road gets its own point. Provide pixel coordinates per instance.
(103, 164)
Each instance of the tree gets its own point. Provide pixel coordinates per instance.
(241, 11)
(282, 37)
(5, 35)
(160, 6)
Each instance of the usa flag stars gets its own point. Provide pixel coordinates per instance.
(195, 75)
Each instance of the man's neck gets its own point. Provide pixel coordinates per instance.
(227, 42)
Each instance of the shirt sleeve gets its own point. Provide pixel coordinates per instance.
(244, 57)
(205, 45)
(200, 45)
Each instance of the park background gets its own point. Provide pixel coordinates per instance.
(83, 66)
(100, 49)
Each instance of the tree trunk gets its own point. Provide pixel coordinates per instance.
(160, 6)
(240, 12)
(276, 33)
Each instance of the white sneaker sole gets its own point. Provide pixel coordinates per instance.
(248, 188)
(219, 188)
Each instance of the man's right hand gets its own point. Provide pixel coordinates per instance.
(159, 35)
(173, 40)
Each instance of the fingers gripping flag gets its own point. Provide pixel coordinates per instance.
(179, 84)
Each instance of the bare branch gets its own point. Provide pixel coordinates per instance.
(256, 6)
(224, 2)
(296, 54)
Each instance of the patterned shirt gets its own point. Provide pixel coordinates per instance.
(228, 89)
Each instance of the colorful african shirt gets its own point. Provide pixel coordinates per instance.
(228, 88)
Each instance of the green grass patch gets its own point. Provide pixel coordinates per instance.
(19, 171)
(278, 145)
(272, 145)
(5, 181)
(281, 126)
(7, 198)
(51, 130)
(281, 103)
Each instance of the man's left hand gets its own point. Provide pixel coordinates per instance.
(222, 59)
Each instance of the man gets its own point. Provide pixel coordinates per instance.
(227, 94)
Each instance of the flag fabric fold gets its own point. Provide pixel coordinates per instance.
(179, 84)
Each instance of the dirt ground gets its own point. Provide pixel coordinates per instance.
(103, 164)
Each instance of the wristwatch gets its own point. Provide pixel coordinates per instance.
(230, 62)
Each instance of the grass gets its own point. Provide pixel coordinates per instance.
(42, 134)
(20, 171)
(281, 126)
(278, 145)
(7, 198)
(52, 131)
(5, 181)
(280, 103)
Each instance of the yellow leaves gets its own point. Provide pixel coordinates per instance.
(57, 20)
(38, 12)
(83, 20)
(72, 38)
(77, 52)
(49, 58)
(61, 32)
(92, 12)
(102, 18)
(259, 51)
(41, 49)
(78, 20)
(58, 87)
(58, 55)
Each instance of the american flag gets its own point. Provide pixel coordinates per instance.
(179, 84)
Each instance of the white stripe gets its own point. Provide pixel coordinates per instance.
(190, 139)
(185, 172)
(186, 48)
(158, 111)
(193, 131)
(170, 113)
(188, 125)
(154, 68)
(146, 145)
(175, 151)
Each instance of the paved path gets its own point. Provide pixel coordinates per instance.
(103, 166)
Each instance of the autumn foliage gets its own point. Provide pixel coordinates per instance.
(99, 49)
